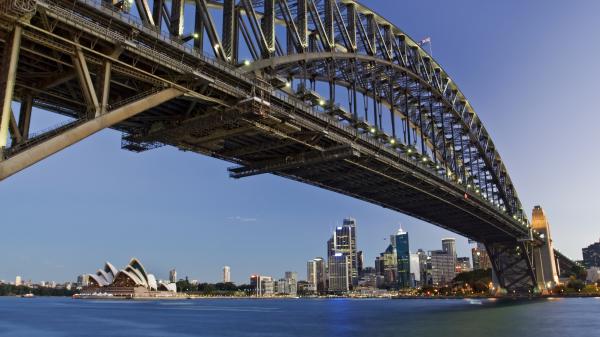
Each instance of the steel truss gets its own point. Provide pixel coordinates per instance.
(325, 92)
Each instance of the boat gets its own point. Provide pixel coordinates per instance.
(27, 295)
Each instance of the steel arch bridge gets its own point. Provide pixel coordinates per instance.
(326, 92)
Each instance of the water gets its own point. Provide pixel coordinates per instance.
(55, 317)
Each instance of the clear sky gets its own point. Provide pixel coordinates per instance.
(530, 69)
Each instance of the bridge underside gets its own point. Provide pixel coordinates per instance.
(101, 71)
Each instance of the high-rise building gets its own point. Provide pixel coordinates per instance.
(83, 280)
(18, 281)
(449, 246)
(263, 285)
(400, 243)
(463, 264)
(386, 266)
(315, 274)
(344, 241)
(415, 270)
(481, 260)
(226, 274)
(339, 280)
(424, 267)
(443, 267)
(360, 262)
(172, 275)
(591, 255)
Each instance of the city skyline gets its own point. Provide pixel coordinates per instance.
(204, 224)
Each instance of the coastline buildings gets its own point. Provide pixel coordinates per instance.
(18, 281)
(263, 285)
(463, 264)
(226, 274)
(343, 241)
(591, 255)
(386, 267)
(480, 258)
(287, 285)
(400, 243)
(339, 272)
(443, 267)
(173, 275)
(316, 275)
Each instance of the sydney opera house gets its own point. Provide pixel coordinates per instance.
(130, 282)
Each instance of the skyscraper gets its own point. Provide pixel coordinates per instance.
(18, 281)
(339, 273)
(263, 285)
(481, 260)
(173, 275)
(360, 262)
(400, 242)
(591, 255)
(449, 246)
(344, 241)
(386, 266)
(443, 267)
(315, 274)
(424, 267)
(226, 274)
(463, 264)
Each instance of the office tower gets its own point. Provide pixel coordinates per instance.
(423, 267)
(386, 266)
(339, 280)
(18, 281)
(449, 246)
(226, 274)
(415, 271)
(172, 275)
(289, 284)
(443, 267)
(360, 262)
(400, 242)
(481, 260)
(263, 285)
(463, 264)
(316, 275)
(344, 241)
(591, 255)
(83, 280)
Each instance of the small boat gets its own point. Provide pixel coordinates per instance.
(27, 295)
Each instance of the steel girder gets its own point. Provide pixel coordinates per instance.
(340, 43)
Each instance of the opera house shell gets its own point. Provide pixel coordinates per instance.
(131, 281)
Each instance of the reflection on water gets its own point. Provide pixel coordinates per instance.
(295, 318)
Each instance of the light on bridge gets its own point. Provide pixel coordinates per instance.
(246, 62)
(288, 84)
(321, 102)
(195, 35)
(392, 141)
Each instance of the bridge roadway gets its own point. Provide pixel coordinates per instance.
(104, 68)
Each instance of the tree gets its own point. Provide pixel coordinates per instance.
(576, 284)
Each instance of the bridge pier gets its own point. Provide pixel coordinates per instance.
(543, 255)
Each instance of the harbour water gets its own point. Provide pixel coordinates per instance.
(54, 317)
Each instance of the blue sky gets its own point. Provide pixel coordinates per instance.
(529, 68)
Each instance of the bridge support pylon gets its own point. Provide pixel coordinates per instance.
(543, 255)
